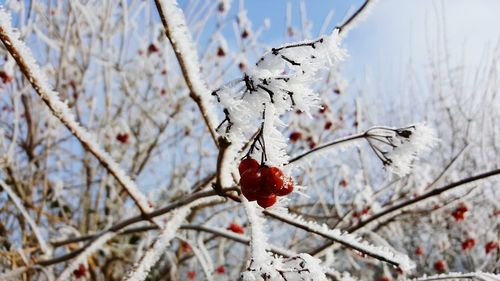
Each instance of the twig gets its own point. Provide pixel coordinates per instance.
(46, 248)
(180, 38)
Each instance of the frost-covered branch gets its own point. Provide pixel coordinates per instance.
(141, 268)
(346, 239)
(46, 248)
(174, 23)
(356, 17)
(480, 276)
(27, 63)
(397, 148)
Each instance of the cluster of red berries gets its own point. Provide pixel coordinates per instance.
(459, 212)
(262, 183)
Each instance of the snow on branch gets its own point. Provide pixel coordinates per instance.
(264, 265)
(46, 248)
(60, 109)
(141, 269)
(350, 241)
(83, 256)
(483, 276)
(174, 22)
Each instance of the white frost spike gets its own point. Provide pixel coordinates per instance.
(406, 145)
(274, 140)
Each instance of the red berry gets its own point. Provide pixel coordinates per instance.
(468, 244)
(295, 136)
(385, 278)
(343, 183)
(220, 269)
(328, 125)
(272, 181)
(245, 34)
(247, 164)
(236, 228)
(186, 248)
(440, 265)
(490, 246)
(6, 78)
(152, 49)
(287, 188)
(80, 271)
(459, 212)
(220, 52)
(266, 202)
(250, 182)
(122, 137)
(191, 274)
(323, 108)
(419, 251)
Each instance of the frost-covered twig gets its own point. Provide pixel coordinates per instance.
(397, 148)
(346, 239)
(482, 276)
(141, 269)
(355, 18)
(82, 257)
(27, 63)
(46, 248)
(179, 36)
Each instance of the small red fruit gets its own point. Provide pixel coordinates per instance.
(80, 271)
(236, 228)
(246, 164)
(490, 246)
(152, 49)
(323, 108)
(122, 137)
(385, 278)
(459, 212)
(287, 188)
(343, 183)
(295, 136)
(328, 125)
(250, 182)
(191, 274)
(272, 181)
(245, 34)
(419, 251)
(440, 265)
(468, 244)
(220, 52)
(220, 269)
(186, 248)
(6, 78)
(266, 202)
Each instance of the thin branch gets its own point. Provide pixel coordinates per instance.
(46, 249)
(354, 17)
(180, 38)
(413, 201)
